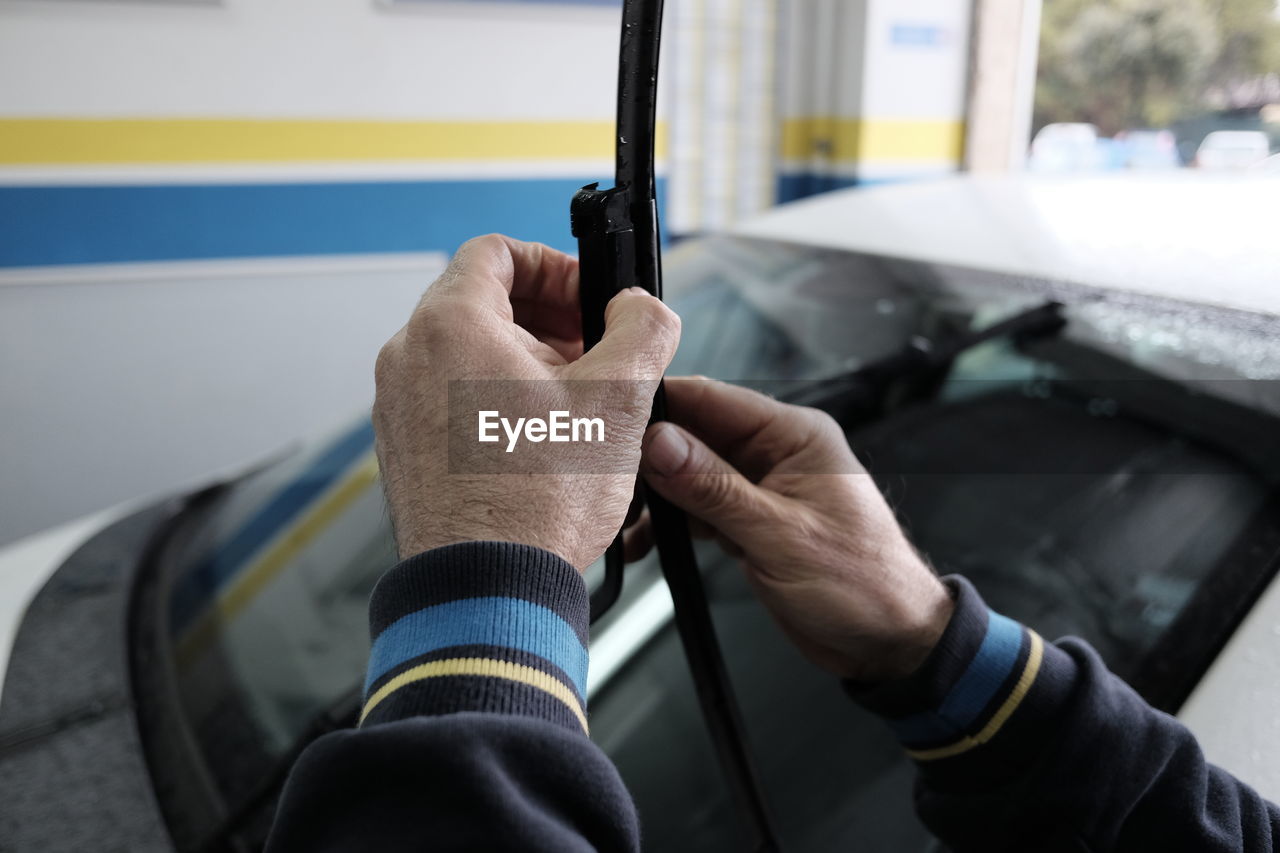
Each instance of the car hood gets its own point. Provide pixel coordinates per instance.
(27, 564)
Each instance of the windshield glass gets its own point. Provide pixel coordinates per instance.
(268, 603)
(1111, 541)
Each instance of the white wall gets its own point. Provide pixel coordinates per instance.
(124, 389)
(874, 89)
(125, 381)
(306, 58)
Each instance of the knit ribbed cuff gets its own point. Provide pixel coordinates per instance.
(975, 706)
(479, 626)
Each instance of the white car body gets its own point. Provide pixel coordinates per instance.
(1167, 235)
(1233, 149)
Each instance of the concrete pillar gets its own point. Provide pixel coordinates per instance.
(1002, 84)
(721, 75)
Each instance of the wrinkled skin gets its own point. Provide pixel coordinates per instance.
(778, 486)
(506, 310)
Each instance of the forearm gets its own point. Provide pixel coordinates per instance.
(473, 732)
(1026, 745)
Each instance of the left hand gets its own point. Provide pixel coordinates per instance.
(509, 310)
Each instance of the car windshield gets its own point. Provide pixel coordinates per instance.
(1090, 484)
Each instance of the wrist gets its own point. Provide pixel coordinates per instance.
(917, 626)
(509, 619)
(921, 630)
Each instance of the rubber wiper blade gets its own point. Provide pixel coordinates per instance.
(865, 387)
(618, 247)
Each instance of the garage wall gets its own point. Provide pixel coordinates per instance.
(212, 214)
(873, 91)
(155, 154)
(158, 130)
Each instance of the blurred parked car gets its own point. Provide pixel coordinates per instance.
(1149, 149)
(1066, 147)
(1113, 474)
(1232, 149)
(1271, 164)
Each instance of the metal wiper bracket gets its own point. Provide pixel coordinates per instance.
(618, 248)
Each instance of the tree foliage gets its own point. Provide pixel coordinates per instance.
(1144, 63)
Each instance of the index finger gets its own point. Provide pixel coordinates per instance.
(749, 429)
(528, 283)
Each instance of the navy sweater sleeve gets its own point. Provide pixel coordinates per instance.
(473, 734)
(1023, 745)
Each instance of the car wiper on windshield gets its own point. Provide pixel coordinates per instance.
(618, 242)
(862, 392)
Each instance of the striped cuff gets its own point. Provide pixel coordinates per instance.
(984, 692)
(479, 626)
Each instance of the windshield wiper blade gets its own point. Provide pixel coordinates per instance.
(863, 390)
(617, 231)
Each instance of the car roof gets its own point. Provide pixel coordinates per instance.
(1250, 135)
(1185, 235)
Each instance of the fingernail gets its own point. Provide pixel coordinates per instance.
(639, 290)
(667, 450)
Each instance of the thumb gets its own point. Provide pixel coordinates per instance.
(695, 478)
(639, 341)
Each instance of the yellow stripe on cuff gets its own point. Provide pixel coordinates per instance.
(479, 666)
(966, 743)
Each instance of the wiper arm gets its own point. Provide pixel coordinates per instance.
(617, 231)
(864, 389)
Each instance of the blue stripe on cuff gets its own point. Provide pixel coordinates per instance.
(972, 692)
(499, 621)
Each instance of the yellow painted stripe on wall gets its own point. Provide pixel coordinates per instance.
(862, 140)
(45, 141)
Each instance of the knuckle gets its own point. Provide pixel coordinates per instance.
(664, 321)
(443, 318)
(816, 424)
(482, 243)
(824, 424)
(384, 366)
(476, 252)
(635, 406)
(716, 493)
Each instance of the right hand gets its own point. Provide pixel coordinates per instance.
(778, 486)
(508, 311)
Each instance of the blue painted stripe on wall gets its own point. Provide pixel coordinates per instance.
(48, 225)
(805, 184)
